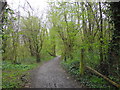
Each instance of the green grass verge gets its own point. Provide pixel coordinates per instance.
(12, 73)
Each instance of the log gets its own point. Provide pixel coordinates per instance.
(51, 54)
(107, 79)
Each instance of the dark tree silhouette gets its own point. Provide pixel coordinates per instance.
(114, 49)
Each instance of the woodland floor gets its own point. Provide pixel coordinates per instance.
(52, 75)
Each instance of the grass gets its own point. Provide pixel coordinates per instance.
(12, 73)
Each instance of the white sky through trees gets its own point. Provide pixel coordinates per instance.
(34, 3)
(37, 5)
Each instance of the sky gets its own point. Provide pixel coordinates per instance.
(41, 4)
(37, 5)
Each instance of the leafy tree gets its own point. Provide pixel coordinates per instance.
(34, 33)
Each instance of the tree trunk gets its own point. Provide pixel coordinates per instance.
(2, 8)
(114, 49)
(82, 67)
(82, 62)
(31, 48)
(37, 53)
(103, 66)
(38, 58)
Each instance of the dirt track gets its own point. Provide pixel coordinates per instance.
(52, 75)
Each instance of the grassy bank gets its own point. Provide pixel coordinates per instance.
(17, 75)
(12, 74)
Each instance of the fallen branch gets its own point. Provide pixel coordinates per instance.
(96, 72)
(52, 54)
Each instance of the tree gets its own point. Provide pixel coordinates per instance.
(34, 33)
(114, 48)
(2, 8)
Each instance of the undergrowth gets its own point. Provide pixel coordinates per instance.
(88, 79)
(17, 75)
(12, 74)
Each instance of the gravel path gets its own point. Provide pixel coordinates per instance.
(52, 75)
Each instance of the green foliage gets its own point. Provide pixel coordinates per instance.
(72, 66)
(85, 34)
(80, 32)
(88, 79)
(12, 73)
(93, 81)
(34, 34)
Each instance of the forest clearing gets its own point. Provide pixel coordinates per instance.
(59, 44)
